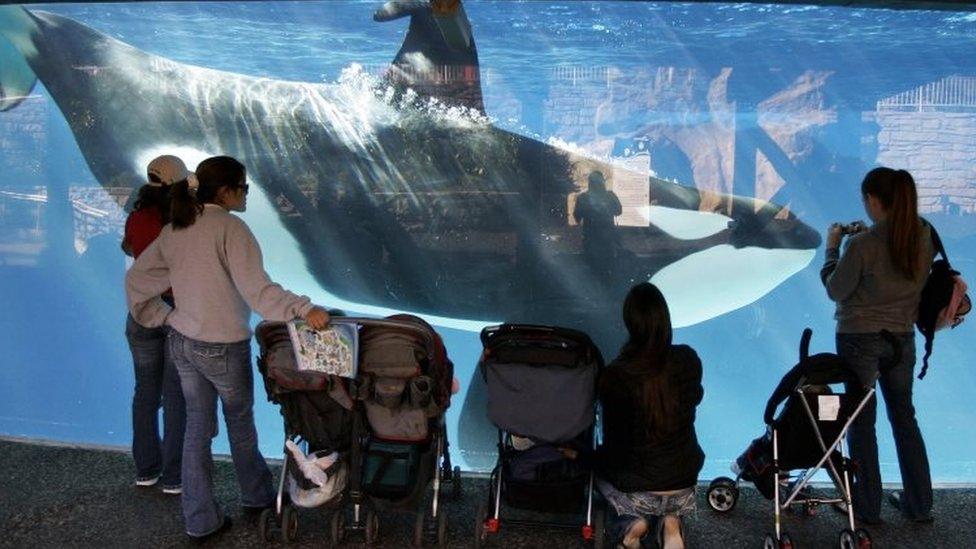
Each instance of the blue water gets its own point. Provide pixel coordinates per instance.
(68, 375)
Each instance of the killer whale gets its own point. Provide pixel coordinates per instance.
(397, 204)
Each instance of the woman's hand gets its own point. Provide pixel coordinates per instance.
(834, 235)
(317, 318)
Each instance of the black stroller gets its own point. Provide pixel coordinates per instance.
(806, 436)
(541, 392)
(399, 438)
(317, 413)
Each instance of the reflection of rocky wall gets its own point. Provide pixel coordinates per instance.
(681, 107)
(939, 149)
(23, 136)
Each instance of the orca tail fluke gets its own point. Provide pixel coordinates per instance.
(17, 79)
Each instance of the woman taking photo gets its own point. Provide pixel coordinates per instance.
(650, 458)
(155, 375)
(214, 265)
(877, 283)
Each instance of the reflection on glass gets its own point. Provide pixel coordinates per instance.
(419, 161)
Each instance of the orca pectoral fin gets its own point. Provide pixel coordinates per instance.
(17, 80)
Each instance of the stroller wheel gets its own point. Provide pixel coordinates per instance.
(480, 531)
(442, 529)
(846, 539)
(456, 482)
(337, 526)
(266, 524)
(599, 528)
(785, 542)
(289, 524)
(372, 527)
(723, 494)
(418, 529)
(863, 539)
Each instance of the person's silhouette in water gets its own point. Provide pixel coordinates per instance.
(595, 210)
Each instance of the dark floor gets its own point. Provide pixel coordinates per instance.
(68, 497)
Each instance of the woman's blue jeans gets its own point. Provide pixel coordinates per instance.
(209, 371)
(870, 355)
(156, 383)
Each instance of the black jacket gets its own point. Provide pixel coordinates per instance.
(630, 459)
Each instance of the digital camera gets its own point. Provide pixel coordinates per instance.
(853, 227)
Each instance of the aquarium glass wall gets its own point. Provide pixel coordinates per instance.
(465, 165)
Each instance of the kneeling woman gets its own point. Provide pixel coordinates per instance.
(650, 458)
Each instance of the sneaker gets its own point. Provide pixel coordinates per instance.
(894, 498)
(144, 482)
(173, 490)
(841, 508)
(224, 526)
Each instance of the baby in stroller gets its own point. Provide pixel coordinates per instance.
(807, 435)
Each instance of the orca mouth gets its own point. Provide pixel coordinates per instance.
(773, 233)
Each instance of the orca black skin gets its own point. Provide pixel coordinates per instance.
(397, 205)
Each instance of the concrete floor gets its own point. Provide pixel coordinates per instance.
(53, 496)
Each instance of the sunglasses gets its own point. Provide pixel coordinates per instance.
(246, 187)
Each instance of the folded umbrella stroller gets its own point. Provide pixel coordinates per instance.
(807, 435)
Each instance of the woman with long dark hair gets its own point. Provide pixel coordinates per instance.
(214, 264)
(877, 283)
(155, 375)
(650, 458)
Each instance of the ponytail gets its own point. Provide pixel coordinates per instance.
(184, 208)
(905, 228)
(154, 196)
(897, 193)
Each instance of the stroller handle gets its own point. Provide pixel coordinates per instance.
(805, 344)
(403, 325)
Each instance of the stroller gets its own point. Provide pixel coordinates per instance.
(317, 411)
(806, 436)
(541, 392)
(399, 437)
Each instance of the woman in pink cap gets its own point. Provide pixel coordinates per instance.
(156, 377)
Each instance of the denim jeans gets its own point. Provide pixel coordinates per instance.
(625, 508)
(209, 371)
(156, 382)
(869, 355)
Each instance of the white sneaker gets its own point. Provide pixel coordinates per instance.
(172, 490)
(147, 481)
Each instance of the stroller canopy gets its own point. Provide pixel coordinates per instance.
(541, 380)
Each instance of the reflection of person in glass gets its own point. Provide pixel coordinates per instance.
(650, 458)
(877, 284)
(595, 210)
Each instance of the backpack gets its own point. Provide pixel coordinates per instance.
(944, 302)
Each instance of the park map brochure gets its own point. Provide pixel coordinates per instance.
(333, 350)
